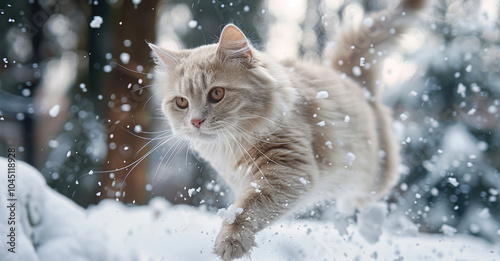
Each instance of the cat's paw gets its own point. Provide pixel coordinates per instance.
(233, 242)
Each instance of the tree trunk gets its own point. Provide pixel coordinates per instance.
(131, 26)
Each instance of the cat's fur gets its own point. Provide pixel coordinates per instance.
(270, 137)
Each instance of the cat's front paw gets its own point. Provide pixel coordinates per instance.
(233, 242)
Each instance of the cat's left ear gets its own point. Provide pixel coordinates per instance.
(164, 58)
(234, 45)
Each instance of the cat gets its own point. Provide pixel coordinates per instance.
(283, 132)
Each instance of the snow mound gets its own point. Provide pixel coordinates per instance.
(54, 228)
(50, 226)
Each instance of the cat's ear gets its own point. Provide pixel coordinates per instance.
(165, 58)
(234, 45)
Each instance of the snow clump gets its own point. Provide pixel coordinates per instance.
(371, 220)
(54, 111)
(453, 181)
(448, 230)
(322, 95)
(96, 22)
(350, 158)
(230, 213)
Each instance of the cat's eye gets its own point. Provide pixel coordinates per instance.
(216, 94)
(181, 102)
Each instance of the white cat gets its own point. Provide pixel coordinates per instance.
(282, 132)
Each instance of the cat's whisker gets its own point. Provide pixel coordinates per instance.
(157, 85)
(254, 163)
(254, 116)
(128, 69)
(133, 164)
(149, 142)
(231, 148)
(158, 132)
(276, 126)
(262, 153)
(175, 153)
(256, 137)
(134, 134)
(165, 155)
(152, 96)
(140, 160)
(187, 153)
(118, 169)
(238, 146)
(144, 87)
(262, 134)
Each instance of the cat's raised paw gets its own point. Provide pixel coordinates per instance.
(232, 243)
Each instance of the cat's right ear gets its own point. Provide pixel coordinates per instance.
(163, 57)
(233, 45)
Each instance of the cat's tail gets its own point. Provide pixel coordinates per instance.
(356, 46)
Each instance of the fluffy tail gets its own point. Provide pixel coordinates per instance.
(355, 46)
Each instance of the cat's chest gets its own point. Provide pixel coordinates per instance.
(234, 163)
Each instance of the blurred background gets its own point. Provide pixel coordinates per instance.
(78, 98)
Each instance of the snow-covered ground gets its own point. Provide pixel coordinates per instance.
(51, 227)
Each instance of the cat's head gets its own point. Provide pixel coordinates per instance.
(218, 88)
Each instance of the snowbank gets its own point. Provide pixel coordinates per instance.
(53, 228)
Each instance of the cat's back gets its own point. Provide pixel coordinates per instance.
(311, 77)
(343, 120)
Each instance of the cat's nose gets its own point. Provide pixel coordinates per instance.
(197, 122)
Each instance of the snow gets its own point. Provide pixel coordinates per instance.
(51, 227)
(107, 68)
(403, 117)
(126, 107)
(492, 109)
(253, 184)
(448, 230)
(461, 89)
(322, 95)
(54, 111)
(371, 220)
(350, 158)
(368, 22)
(468, 68)
(125, 58)
(485, 213)
(362, 61)
(356, 71)
(321, 123)
(229, 214)
(453, 181)
(192, 24)
(96, 22)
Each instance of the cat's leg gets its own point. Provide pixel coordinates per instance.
(272, 195)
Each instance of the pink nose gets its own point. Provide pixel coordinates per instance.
(197, 122)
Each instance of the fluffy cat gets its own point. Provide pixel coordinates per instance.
(283, 132)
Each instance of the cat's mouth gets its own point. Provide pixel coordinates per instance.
(204, 135)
